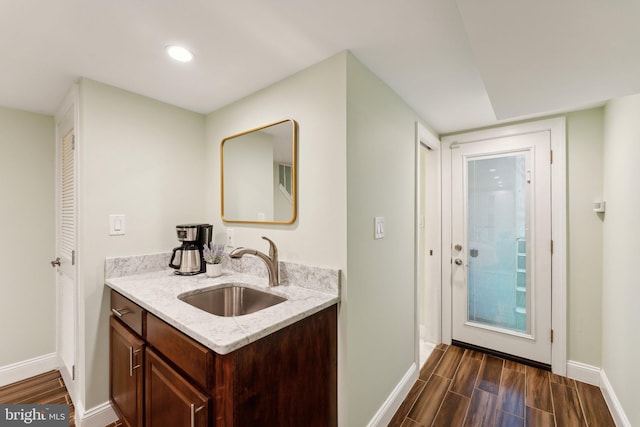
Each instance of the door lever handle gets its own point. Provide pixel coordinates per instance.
(55, 263)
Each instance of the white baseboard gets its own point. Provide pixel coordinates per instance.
(98, 416)
(610, 397)
(393, 402)
(595, 376)
(28, 368)
(582, 372)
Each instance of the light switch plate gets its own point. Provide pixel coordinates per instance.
(378, 227)
(117, 225)
(231, 241)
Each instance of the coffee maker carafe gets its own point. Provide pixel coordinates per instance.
(187, 259)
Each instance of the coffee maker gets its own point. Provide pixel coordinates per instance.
(188, 259)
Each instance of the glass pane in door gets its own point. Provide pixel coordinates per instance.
(497, 229)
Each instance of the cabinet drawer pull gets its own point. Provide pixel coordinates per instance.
(193, 414)
(120, 312)
(132, 352)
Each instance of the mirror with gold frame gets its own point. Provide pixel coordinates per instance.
(258, 175)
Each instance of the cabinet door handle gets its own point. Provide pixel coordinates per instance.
(121, 312)
(132, 352)
(193, 413)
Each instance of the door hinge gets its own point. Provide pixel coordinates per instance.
(73, 142)
(551, 156)
(73, 372)
(73, 257)
(551, 247)
(552, 335)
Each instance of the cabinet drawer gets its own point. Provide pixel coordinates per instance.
(190, 356)
(128, 312)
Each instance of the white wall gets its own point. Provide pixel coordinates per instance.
(144, 159)
(27, 171)
(621, 252)
(380, 182)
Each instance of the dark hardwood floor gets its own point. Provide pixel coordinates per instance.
(459, 387)
(43, 389)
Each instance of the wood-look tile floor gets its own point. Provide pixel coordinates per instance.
(43, 389)
(459, 387)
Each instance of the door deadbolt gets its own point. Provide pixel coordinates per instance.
(458, 247)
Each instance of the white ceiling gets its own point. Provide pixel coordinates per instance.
(454, 62)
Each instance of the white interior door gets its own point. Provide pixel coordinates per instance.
(66, 247)
(501, 244)
(429, 245)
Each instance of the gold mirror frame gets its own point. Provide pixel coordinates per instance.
(294, 175)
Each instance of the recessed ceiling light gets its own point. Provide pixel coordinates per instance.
(179, 53)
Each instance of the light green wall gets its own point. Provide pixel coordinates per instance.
(621, 287)
(356, 158)
(380, 273)
(141, 158)
(27, 172)
(315, 98)
(584, 181)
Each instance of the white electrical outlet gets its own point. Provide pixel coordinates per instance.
(231, 241)
(378, 227)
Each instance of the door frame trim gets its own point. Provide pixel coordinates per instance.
(557, 128)
(423, 137)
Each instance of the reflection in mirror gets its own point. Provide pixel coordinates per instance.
(258, 175)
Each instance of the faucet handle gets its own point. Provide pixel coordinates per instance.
(273, 249)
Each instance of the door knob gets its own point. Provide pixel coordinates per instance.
(457, 261)
(55, 263)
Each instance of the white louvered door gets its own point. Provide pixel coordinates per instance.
(67, 203)
(66, 231)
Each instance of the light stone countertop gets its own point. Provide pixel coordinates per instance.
(157, 292)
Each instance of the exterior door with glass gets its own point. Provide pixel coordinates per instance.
(501, 244)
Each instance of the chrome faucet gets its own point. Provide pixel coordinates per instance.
(271, 260)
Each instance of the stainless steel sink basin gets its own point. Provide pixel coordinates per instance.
(231, 300)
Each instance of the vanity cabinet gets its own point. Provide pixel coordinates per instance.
(171, 400)
(126, 373)
(287, 378)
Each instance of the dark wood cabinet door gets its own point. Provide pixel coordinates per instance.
(126, 385)
(171, 400)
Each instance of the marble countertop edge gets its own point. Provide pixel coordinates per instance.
(157, 292)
